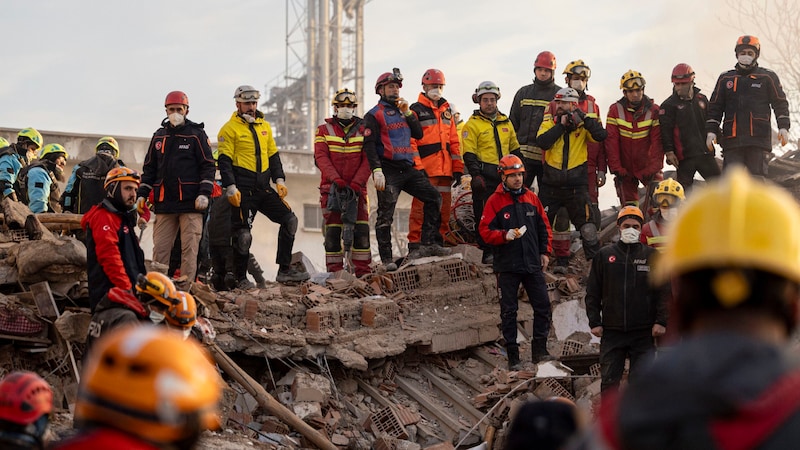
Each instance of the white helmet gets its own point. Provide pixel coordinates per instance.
(486, 87)
(246, 93)
(567, 95)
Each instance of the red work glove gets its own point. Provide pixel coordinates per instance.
(356, 187)
(340, 183)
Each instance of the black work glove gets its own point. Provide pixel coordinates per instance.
(457, 178)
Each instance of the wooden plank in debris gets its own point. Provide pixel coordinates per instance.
(469, 379)
(443, 417)
(462, 403)
(43, 297)
(374, 393)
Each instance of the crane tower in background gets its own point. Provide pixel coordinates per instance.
(324, 53)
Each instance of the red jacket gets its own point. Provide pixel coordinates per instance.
(340, 154)
(633, 146)
(439, 147)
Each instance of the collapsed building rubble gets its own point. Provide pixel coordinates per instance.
(402, 360)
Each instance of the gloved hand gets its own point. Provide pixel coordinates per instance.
(466, 182)
(577, 117)
(783, 136)
(672, 160)
(340, 183)
(201, 202)
(601, 179)
(141, 205)
(379, 179)
(457, 178)
(711, 139)
(513, 234)
(356, 187)
(233, 195)
(402, 105)
(621, 172)
(478, 183)
(280, 188)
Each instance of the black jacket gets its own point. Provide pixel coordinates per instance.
(683, 125)
(178, 167)
(619, 295)
(85, 186)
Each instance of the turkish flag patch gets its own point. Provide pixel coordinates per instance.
(612, 258)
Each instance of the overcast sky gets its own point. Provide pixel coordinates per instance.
(105, 66)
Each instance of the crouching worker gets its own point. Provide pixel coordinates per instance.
(145, 388)
(515, 225)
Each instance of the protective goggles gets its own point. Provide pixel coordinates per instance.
(666, 200)
(248, 96)
(633, 84)
(511, 167)
(686, 76)
(344, 98)
(582, 71)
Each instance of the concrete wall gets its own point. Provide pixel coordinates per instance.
(302, 179)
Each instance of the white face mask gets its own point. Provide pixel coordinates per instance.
(434, 94)
(669, 214)
(176, 119)
(578, 85)
(156, 317)
(629, 235)
(344, 113)
(745, 60)
(248, 118)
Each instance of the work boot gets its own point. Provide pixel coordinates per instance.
(437, 250)
(488, 258)
(561, 265)
(290, 275)
(229, 281)
(513, 357)
(539, 351)
(245, 284)
(389, 265)
(418, 252)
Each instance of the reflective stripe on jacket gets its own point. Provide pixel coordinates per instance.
(527, 113)
(439, 148)
(634, 139)
(388, 137)
(484, 141)
(251, 150)
(340, 154)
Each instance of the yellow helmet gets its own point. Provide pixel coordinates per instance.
(631, 80)
(30, 134)
(578, 67)
(158, 286)
(344, 97)
(3, 142)
(735, 222)
(50, 149)
(667, 192)
(105, 142)
(148, 381)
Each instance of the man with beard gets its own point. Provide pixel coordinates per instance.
(527, 113)
(85, 186)
(113, 254)
(43, 177)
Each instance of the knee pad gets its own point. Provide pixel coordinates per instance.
(561, 220)
(291, 224)
(589, 232)
(242, 242)
(333, 238)
(361, 238)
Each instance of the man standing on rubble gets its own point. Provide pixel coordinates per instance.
(744, 96)
(248, 161)
(179, 168)
(113, 254)
(732, 380)
(623, 308)
(515, 225)
(16, 156)
(396, 167)
(85, 186)
(343, 165)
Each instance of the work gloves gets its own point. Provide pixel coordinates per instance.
(379, 179)
(233, 195)
(280, 188)
(711, 139)
(201, 202)
(783, 136)
(340, 183)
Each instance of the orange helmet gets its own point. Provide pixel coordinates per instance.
(24, 398)
(148, 381)
(433, 76)
(510, 164)
(122, 174)
(183, 313)
(546, 60)
(176, 98)
(682, 73)
(158, 286)
(748, 41)
(630, 211)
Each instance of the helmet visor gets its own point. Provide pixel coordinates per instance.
(633, 83)
(666, 200)
(583, 71)
(248, 96)
(513, 168)
(344, 98)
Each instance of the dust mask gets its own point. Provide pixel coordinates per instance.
(176, 119)
(629, 235)
(344, 113)
(745, 60)
(434, 94)
(248, 118)
(669, 214)
(578, 85)
(156, 317)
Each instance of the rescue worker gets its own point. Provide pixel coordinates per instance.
(543, 425)
(176, 310)
(221, 250)
(527, 113)
(564, 137)
(396, 167)
(16, 156)
(487, 136)
(731, 382)
(26, 403)
(248, 161)
(740, 105)
(440, 152)
(624, 309)
(113, 254)
(145, 388)
(179, 169)
(85, 185)
(344, 169)
(668, 197)
(683, 119)
(42, 178)
(515, 225)
(633, 148)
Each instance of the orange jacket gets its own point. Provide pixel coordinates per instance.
(439, 147)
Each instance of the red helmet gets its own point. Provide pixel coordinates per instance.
(176, 98)
(510, 164)
(24, 398)
(389, 77)
(433, 76)
(682, 73)
(546, 60)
